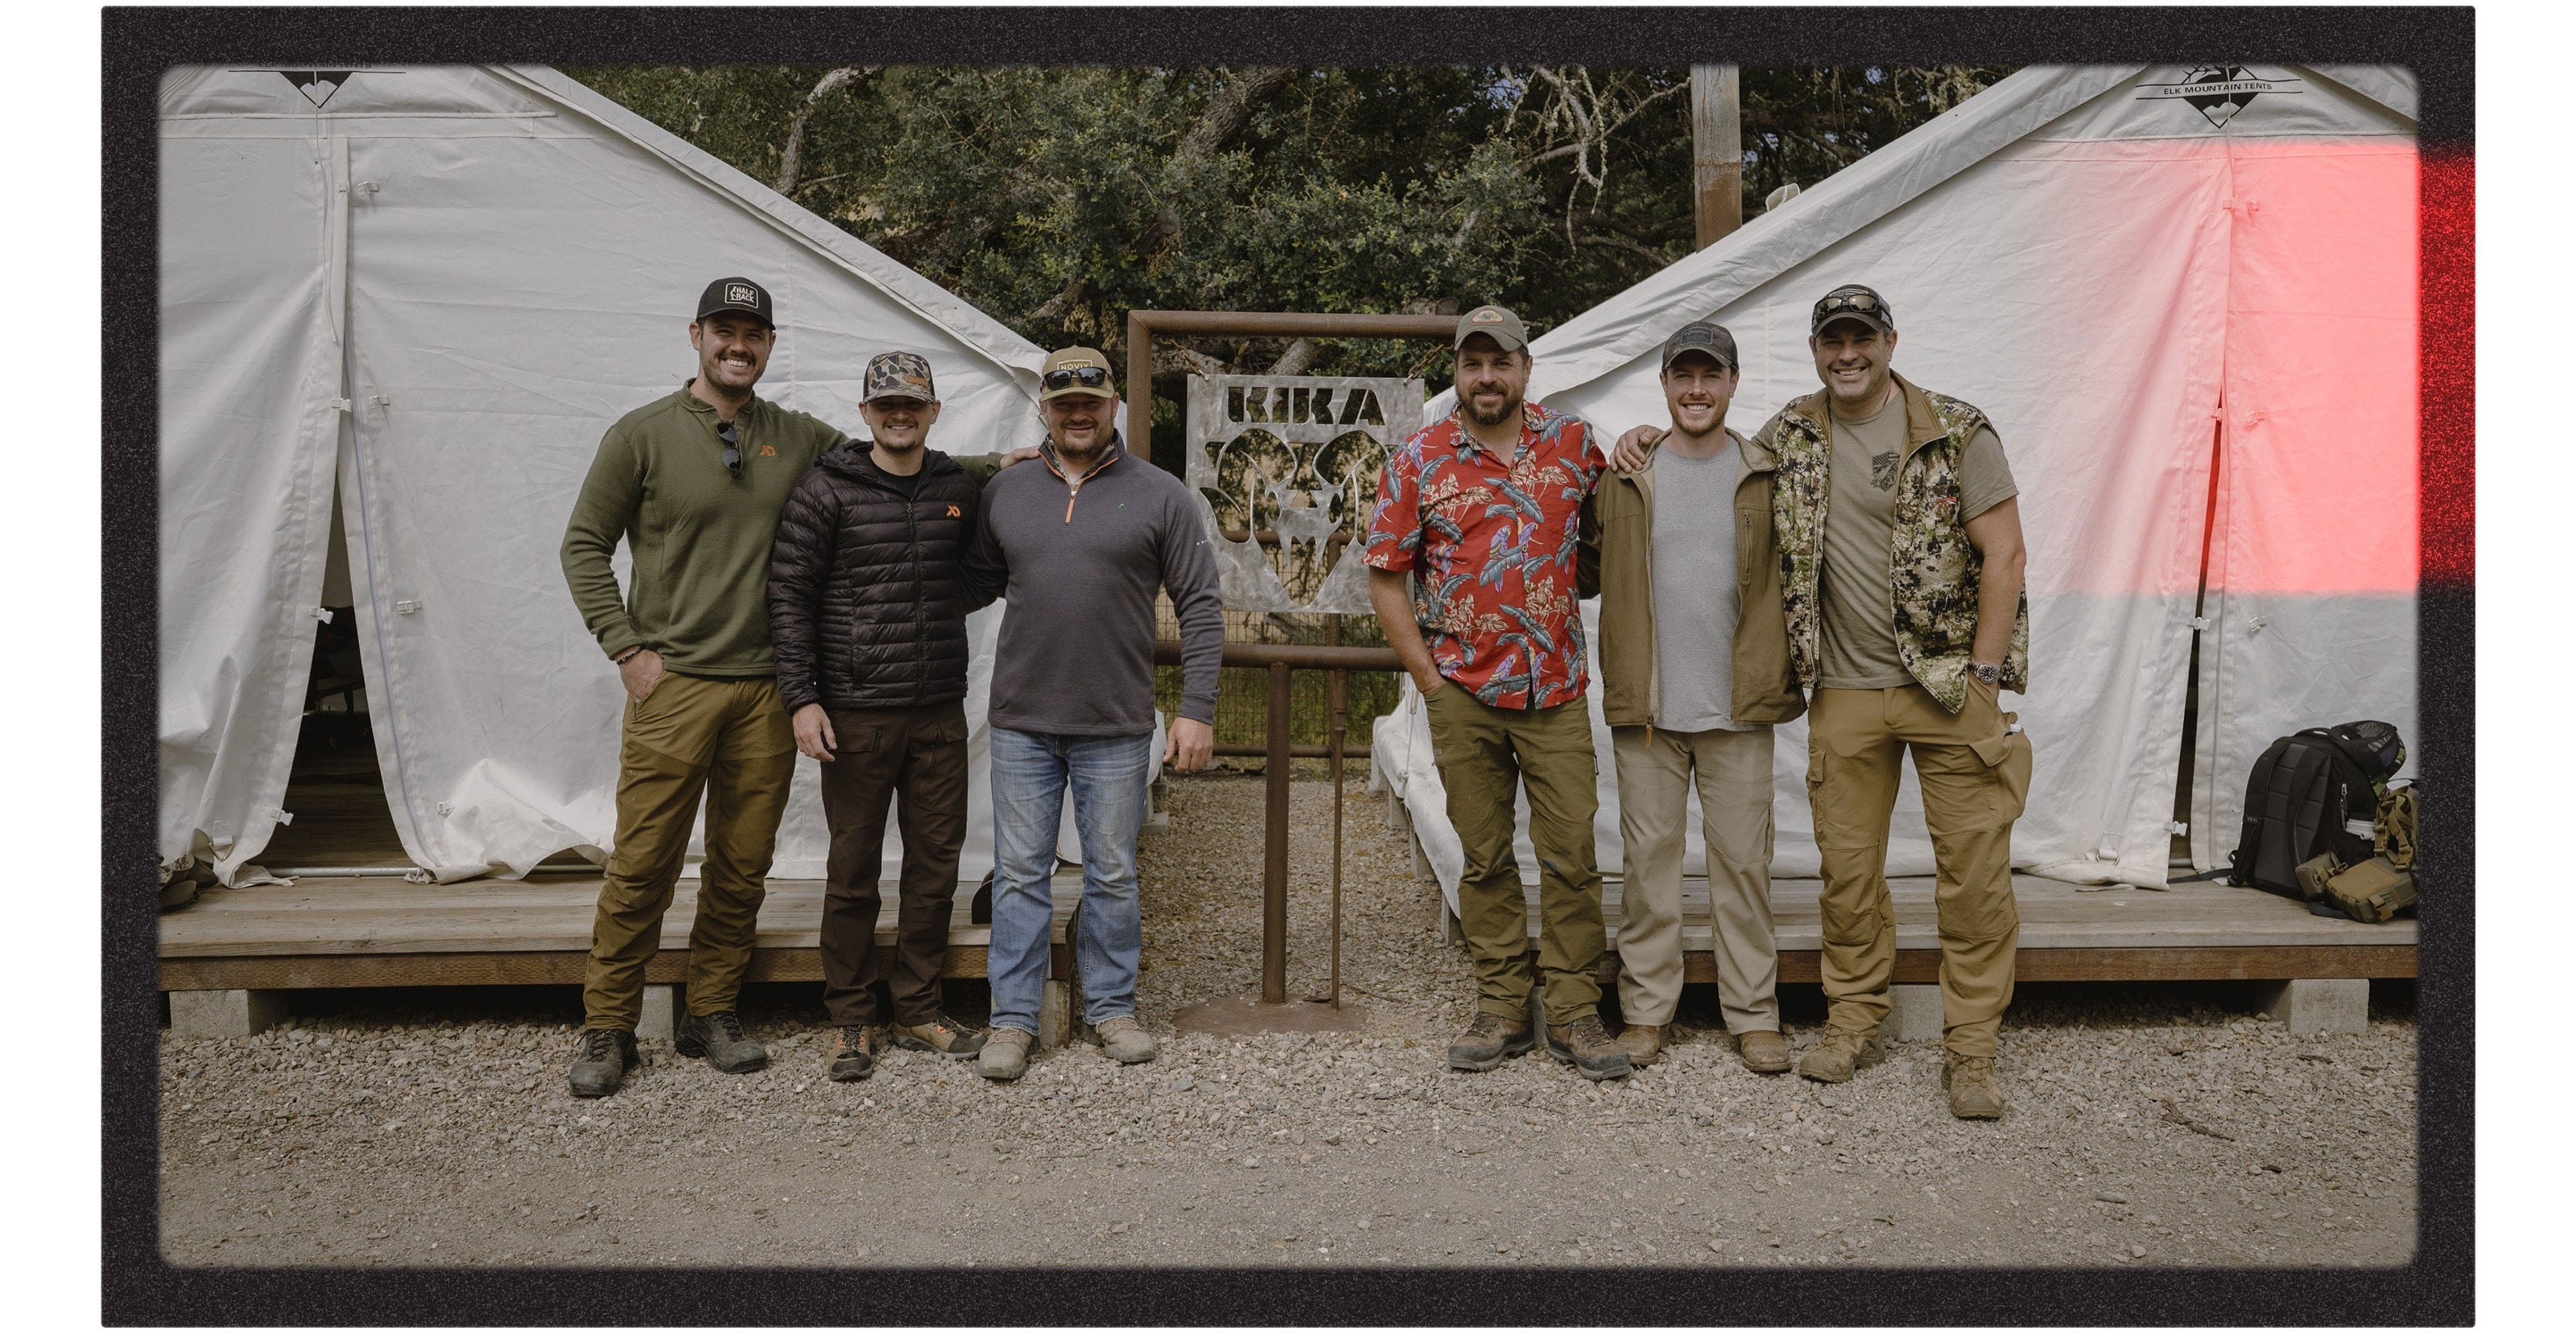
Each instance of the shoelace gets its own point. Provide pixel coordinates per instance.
(854, 1037)
(598, 1044)
(729, 1023)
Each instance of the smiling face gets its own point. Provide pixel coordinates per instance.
(899, 425)
(732, 352)
(1491, 381)
(1851, 358)
(1698, 388)
(1080, 424)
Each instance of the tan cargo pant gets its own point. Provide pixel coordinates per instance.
(1732, 770)
(1975, 775)
(728, 740)
(1485, 755)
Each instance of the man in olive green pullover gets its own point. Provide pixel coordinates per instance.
(693, 483)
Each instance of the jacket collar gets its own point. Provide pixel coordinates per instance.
(1752, 456)
(1117, 450)
(857, 461)
(1922, 424)
(708, 410)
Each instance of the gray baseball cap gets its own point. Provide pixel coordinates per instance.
(1493, 322)
(1701, 336)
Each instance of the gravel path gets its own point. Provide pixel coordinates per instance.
(2149, 1125)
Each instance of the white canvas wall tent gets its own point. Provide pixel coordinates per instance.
(2144, 276)
(436, 287)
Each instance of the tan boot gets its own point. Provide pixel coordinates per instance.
(1974, 1091)
(1763, 1050)
(1834, 1060)
(1642, 1042)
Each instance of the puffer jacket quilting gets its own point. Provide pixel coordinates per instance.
(867, 588)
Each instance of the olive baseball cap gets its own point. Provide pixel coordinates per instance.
(1076, 371)
(1702, 337)
(1852, 301)
(1493, 322)
(740, 296)
(898, 375)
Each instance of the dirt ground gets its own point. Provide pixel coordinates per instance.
(2148, 1125)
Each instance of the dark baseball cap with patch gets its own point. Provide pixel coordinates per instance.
(1702, 337)
(738, 296)
(1493, 322)
(1852, 301)
(898, 375)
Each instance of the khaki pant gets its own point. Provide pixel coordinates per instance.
(1732, 771)
(1975, 775)
(729, 740)
(1485, 755)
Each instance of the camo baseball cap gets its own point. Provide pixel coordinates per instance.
(898, 375)
(1493, 322)
(1702, 337)
(1852, 301)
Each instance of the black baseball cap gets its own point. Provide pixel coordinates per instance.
(1702, 337)
(1852, 301)
(738, 295)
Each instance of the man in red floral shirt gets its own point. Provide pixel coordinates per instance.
(1479, 510)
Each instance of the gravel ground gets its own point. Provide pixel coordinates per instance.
(2148, 1125)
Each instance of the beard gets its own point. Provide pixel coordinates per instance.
(1500, 415)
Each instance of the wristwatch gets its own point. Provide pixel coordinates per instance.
(1989, 673)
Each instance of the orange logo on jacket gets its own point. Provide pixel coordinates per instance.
(768, 451)
(955, 513)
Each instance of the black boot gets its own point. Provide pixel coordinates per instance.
(719, 1039)
(856, 1058)
(600, 1066)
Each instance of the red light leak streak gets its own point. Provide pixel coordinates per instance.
(2448, 218)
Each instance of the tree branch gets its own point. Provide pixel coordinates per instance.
(792, 160)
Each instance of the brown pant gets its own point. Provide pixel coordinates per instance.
(1975, 774)
(916, 759)
(727, 739)
(1732, 770)
(1485, 754)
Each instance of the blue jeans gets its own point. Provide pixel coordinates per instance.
(1108, 775)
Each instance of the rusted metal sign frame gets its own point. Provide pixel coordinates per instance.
(1274, 1011)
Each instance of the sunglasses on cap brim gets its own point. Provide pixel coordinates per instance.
(1851, 303)
(1066, 377)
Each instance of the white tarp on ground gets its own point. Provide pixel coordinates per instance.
(439, 285)
(2122, 267)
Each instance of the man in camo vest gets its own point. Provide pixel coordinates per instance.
(1901, 579)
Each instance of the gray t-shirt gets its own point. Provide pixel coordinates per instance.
(1857, 600)
(1695, 594)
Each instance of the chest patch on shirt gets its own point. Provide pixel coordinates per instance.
(1882, 470)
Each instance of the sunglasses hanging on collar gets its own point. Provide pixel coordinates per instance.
(733, 449)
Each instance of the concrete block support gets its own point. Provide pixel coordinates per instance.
(661, 1012)
(237, 1013)
(2318, 1005)
(1913, 1013)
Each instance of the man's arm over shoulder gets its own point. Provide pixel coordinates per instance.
(800, 568)
(1190, 575)
(988, 567)
(600, 515)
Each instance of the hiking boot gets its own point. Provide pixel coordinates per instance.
(1121, 1037)
(719, 1039)
(1842, 1053)
(1005, 1054)
(1763, 1050)
(1489, 1042)
(942, 1035)
(1642, 1042)
(1973, 1090)
(856, 1058)
(599, 1067)
(1588, 1047)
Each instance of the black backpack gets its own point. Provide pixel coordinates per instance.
(2300, 796)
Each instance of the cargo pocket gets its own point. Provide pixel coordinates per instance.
(2007, 752)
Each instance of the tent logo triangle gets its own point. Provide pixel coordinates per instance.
(317, 86)
(2218, 92)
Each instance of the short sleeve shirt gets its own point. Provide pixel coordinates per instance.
(1491, 544)
(1857, 606)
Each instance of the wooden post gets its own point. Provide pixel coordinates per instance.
(1717, 153)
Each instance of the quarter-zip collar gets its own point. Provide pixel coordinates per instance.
(1073, 485)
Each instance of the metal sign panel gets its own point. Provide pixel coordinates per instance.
(1286, 471)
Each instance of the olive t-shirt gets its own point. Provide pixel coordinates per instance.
(1856, 597)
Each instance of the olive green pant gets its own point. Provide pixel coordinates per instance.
(727, 740)
(1484, 755)
(1975, 774)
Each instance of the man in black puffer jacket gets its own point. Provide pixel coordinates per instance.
(867, 614)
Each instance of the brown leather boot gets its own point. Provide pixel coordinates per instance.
(1642, 1042)
(1842, 1053)
(1763, 1050)
(1587, 1046)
